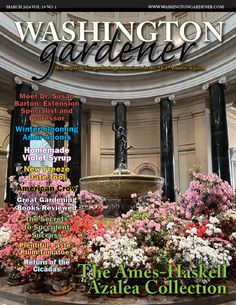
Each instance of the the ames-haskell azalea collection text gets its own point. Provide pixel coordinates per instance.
(182, 247)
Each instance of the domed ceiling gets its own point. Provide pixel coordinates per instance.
(217, 59)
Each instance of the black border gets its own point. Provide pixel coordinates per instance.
(117, 5)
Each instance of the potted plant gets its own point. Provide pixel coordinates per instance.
(36, 282)
(14, 278)
(5, 234)
(35, 279)
(60, 283)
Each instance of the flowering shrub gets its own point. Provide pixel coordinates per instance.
(10, 254)
(228, 221)
(5, 213)
(116, 251)
(91, 203)
(151, 200)
(5, 234)
(74, 242)
(29, 275)
(233, 240)
(153, 235)
(85, 227)
(206, 229)
(206, 195)
(149, 226)
(58, 201)
(193, 251)
(17, 182)
(228, 226)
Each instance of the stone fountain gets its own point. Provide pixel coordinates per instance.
(118, 186)
(117, 189)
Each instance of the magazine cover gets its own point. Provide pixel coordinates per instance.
(117, 153)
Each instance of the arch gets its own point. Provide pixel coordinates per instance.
(147, 168)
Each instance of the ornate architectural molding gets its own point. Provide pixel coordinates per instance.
(222, 80)
(19, 81)
(82, 99)
(125, 102)
(34, 86)
(171, 97)
(149, 166)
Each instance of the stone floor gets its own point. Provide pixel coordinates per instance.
(7, 302)
(18, 295)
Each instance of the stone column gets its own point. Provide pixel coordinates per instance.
(120, 129)
(166, 146)
(10, 195)
(16, 144)
(219, 131)
(75, 144)
(95, 145)
(175, 123)
(232, 153)
(58, 143)
(202, 137)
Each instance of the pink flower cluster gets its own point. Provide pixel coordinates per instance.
(18, 182)
(156, 226)
(151, 200)
(148, 225)
(5, 213)
(11, 254)
(74, 241)
(206, 195)
(24, 181)
(90, 202)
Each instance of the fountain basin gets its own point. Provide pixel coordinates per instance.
(121, 186)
